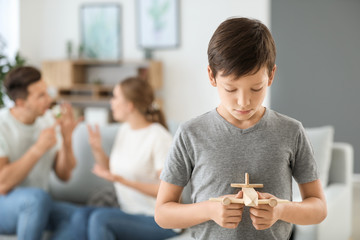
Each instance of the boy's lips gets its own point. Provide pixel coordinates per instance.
(243, 111)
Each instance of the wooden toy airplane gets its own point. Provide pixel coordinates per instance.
(250, 196)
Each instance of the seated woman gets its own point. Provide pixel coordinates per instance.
(135, 163)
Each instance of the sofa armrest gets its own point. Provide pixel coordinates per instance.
(338, 192)
(342, 161)
(337, 224)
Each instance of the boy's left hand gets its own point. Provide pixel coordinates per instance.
(263, 216)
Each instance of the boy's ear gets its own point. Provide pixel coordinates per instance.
(272, 75)
(211, 77)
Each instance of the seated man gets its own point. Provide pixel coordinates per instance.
(32, 144)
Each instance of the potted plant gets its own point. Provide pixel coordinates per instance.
(6, 65)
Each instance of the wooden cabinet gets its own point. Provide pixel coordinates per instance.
(69, 78)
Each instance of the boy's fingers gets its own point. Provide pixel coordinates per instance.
(263, 195)
(239, 194)
(234, 206)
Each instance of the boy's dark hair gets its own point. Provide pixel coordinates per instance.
(241, 46)
(18, 80)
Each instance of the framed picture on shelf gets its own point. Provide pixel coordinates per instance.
(158, 24)
(100, 31)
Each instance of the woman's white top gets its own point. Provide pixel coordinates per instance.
(138, 155)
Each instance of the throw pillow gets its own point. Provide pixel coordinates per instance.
(321, 139)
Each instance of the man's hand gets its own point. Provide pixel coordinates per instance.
(263, 216)
(46, 140)
(228, 216)
(67, 122)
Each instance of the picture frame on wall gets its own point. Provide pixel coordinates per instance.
(158, 24)
(101, 31)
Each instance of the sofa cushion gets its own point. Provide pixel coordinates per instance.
(321, 139)
(104, 197)
(83, 182)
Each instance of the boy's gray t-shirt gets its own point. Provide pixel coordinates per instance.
(210, 153)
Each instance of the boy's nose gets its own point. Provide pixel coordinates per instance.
(243, 100)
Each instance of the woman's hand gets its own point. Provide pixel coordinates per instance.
(264, 216)
(94, 137)
(227, 216)
(103, 173)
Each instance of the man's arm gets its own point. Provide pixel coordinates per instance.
(312, 209)
(169, 213)
(65, 160)
(12, 174)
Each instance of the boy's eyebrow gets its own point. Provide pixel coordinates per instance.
(258, 83)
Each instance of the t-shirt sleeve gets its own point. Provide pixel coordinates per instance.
(178, 165)
(304, 165)
(162, 145)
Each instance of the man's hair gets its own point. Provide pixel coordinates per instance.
(18, 80)
(241, 46)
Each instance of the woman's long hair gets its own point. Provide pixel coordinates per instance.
(141, 94)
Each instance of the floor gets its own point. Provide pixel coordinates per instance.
(356, 212)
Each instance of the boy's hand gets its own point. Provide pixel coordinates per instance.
(263, 216)
(227, 216)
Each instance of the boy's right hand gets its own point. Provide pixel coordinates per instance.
(47, 139)
(227, 216)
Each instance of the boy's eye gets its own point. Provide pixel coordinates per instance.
(230, 90)
(257, 90)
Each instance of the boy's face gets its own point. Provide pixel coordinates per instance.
(242, 98)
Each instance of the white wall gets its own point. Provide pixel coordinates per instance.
(9, 26)
(46, 25)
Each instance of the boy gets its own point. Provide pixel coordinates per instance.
(30, 148)
(217, 148)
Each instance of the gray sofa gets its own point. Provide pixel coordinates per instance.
(84, 184)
